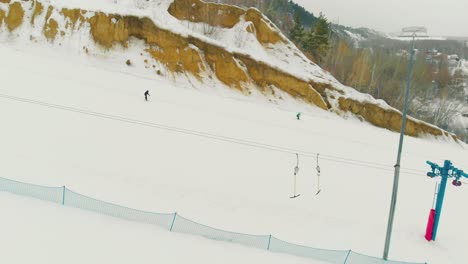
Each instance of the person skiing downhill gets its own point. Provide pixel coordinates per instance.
(146, 95)
(298, 116)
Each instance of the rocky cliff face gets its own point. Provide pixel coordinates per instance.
(227, 17)
(202, 58)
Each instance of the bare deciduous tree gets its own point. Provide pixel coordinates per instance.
(444, 113)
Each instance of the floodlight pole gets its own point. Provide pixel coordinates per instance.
(397, 165)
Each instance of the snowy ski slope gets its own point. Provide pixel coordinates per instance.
(216, 157)
(40, 232)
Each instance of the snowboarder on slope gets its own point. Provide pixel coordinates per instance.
(298, 116)
(146, 95)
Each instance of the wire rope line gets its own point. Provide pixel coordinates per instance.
(156, 125)
(331, 158)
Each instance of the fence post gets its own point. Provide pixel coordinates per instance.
(173, 220)
(63, 195)
(269, 240)
(347, 256)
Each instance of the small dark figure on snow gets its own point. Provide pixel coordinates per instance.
(146, 95)
(298, 116)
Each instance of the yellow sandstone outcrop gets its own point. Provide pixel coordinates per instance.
(263, 28)
(74, 16)
(210, 13)
(49, 12)
(15, 16)
(195, 56)
(181, 54)
(265, 75)
(388, 118)
(106, 32)
(2, 16)
(38, 8)
(225, 16)
(50, 29)
(225, 66)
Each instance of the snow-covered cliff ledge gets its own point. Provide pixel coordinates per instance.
(240, 48)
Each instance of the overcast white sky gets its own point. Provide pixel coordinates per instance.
(440, 17)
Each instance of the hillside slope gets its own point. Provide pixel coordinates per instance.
(224, 162)
(203, 44)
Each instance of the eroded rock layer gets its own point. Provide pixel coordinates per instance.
(201, 58)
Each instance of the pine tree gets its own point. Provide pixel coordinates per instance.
(316, 39)
(307, 18)
(297, 32)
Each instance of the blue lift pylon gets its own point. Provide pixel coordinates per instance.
(446, 172)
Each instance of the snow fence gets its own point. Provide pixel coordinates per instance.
(176, 223)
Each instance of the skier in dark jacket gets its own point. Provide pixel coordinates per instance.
(298, 116)
(146, 95)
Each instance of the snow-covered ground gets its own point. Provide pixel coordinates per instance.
(356, 37)
(39, 232)
(463, 66)
(237, 187)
